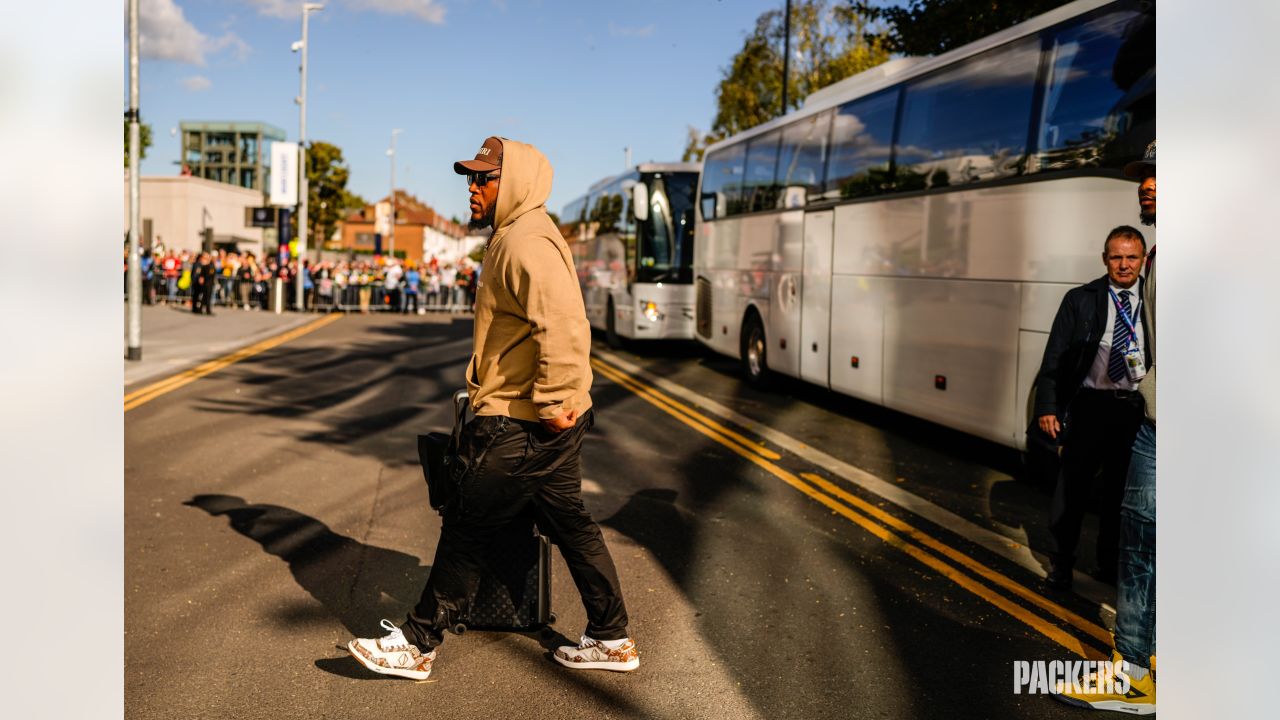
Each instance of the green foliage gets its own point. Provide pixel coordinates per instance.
(327, 195)
(930, 27)
(477, 253)
(554, 218)
(144, 141)
(827, 45)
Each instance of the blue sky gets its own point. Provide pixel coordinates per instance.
(579, 79)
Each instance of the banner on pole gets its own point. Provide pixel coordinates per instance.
(284, 174)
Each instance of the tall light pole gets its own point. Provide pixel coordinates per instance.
(786, 55)
(303, 192)
(134, 341)
(391, 231)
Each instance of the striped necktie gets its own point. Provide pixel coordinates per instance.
(1119, 342)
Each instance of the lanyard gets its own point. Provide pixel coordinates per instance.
(1128, 321)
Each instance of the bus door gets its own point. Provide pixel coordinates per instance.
(783, 333)
(815, 318)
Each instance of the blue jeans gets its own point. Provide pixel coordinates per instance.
(1136, 582)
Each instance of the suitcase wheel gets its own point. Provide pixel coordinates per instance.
(458, 629)
(551, 618)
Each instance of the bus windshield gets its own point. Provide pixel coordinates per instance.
(666, 238)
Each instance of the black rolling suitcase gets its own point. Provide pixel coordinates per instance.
(515, 589)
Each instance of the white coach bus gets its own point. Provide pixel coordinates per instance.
(906, 237)
(632, 242)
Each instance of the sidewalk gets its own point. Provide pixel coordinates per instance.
(174, 339)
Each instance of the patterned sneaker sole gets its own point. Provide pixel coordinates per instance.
(1112, 705)
(398, 672)
(602, 665)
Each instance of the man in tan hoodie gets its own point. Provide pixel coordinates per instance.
(529, 380)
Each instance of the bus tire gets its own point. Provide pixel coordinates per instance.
(754, 351)
(611, 337)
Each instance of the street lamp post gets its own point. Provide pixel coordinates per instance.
(303, 192)
(134, 340)
(391, 230)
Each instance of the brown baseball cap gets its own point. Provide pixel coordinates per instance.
(488, 158)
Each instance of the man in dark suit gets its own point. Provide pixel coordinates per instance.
(1087, 399)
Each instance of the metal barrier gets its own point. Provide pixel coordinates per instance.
(277, 296)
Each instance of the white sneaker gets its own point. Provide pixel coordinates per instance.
(592, 654)
(392, 654)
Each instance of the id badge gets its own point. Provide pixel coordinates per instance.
(1133, 363)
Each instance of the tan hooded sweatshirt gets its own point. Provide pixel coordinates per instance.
(532, 341)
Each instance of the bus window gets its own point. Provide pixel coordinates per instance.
(722, 182)
(802, 159)
(1099, 102)
(861, 141)
(968, 123)
(759, 186)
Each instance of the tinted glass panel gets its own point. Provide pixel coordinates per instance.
(1099, 103)
(666, 238)
(607, 211)
(802, 159)
(861, 143)
(968, 123)
(722, 181)
(760, 189)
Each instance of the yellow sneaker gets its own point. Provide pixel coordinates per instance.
(1139, 699)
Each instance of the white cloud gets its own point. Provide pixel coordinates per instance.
(624, 31)
(196, 83)
(277, 8)
(164, 33)
(426, 10)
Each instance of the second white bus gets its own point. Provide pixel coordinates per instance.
(632, 241)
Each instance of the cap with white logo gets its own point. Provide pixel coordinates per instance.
(488, 159)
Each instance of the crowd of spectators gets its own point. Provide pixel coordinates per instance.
(246, 282)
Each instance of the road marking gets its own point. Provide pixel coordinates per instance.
(891, 538)
(991, 575)
(1007, 548)
(663, 401)
(173, 382)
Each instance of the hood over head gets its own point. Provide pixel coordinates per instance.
(525, 183)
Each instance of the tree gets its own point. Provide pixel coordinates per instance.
(327, 194)
(144, 141)
(930, 27)
(827, 44)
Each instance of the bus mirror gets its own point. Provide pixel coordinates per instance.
(640, 201)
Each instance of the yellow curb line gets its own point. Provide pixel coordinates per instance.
(173, 382)
(748, 450)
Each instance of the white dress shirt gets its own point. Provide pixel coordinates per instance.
(1097, 377)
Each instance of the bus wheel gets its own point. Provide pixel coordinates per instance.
(755, 364)
(611, 336)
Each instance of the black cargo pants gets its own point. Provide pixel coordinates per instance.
(507, 465)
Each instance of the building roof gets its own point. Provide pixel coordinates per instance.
(410, 211)
(271, 132)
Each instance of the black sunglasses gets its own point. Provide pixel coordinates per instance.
(482, 179)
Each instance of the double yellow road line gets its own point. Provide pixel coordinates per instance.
(991, 585)
(173, 382)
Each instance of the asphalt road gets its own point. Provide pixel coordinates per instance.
(275, 508)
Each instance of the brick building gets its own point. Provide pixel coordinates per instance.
(420, 231)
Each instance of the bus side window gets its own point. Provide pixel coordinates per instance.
(803, 158)
(968, 123)
(861, 140)
(1099, 106)
(722, 182)
(759, 183)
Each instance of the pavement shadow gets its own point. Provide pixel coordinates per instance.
(356, 583)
